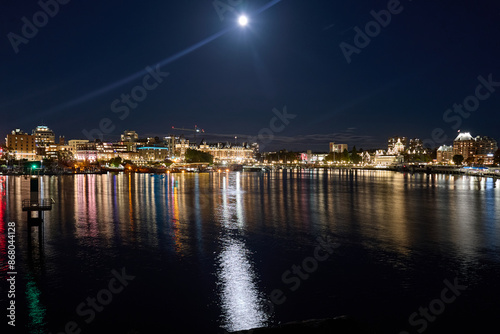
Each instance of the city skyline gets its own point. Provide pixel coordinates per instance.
(342, 82)
(197, 136)
(133, 150)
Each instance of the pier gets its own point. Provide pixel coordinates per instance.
(35, 208)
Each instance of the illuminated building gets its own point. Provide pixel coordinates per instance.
(106, 151)
(485, 150)
(93, 152)
(21, 145)
(367, 158)
(479, 150)
(396, 145)
(50, 151)
(310, 157)
(464, 145)
(181, 146)
(43, 137)
(485, 145)
(75, 142)
(338, 148)
(382, 159)
(170, 142)
(152, 153)
(416, 146)
(86, 152)
(129, 136)
(255, 149)
(130, 139)
(131, 156)
(229, 153)
(444, 154)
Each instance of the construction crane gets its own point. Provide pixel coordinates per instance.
(195, 130)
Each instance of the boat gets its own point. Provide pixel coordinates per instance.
(252, 169)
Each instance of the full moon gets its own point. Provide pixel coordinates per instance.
(243, 20)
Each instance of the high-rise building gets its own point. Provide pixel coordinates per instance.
(43, 136)
(129, 136)
(486, 145)
(485, 150)
(464, 145)
(444, 154)
(478, 150)
(416, 146)
(170, 142)
(21, 145)
(255, 148)
(130, 139)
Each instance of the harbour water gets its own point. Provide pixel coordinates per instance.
(198, 253)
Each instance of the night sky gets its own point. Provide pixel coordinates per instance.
(426, 59)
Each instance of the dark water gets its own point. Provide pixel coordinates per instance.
(205, 251)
